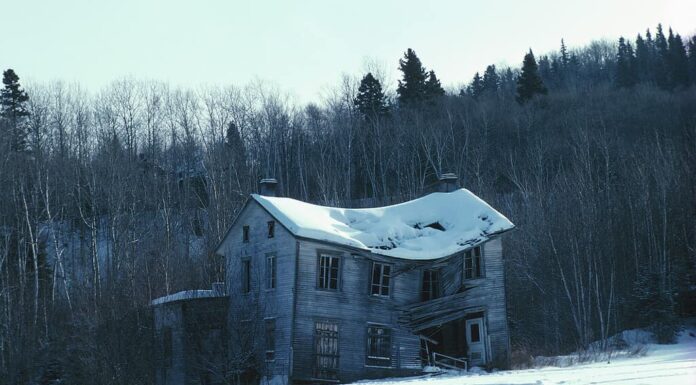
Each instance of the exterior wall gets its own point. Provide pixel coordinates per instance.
(352, 308)
(171, 368)
(261, 303)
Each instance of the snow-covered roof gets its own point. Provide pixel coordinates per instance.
(431, 227)
(187, 294)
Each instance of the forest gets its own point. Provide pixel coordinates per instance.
(113, 198)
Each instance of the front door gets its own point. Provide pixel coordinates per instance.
(475, 339)
(326, 350)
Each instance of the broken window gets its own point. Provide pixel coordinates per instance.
(431, 284)
(270, 338)
(271, 269)
(246, 275)
(378, 346)
(381, 277)
(328, 271)
(472, 263)
(245, 233)
(271, 229)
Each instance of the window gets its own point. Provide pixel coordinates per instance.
(270, 339)
(431, 285)
(246, 275)
(271, 229)
(472, 263)
(271, 268)
(328, 271)
(378, 346)
(245, 233)
(326, 350)
(381, 277)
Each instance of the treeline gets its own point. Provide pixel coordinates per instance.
(110, 200)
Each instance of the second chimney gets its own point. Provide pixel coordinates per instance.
(448, 182)
(268, 187)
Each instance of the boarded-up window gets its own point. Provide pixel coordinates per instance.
(245, 233)
(271, 229)
(472, 263)
(378, 346)
(381, 279)
(431, 284)
(270, 339)
(246, 275)
(329, 266)
(326, 350)
(271, 269)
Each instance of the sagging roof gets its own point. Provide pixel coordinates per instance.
(431, 227)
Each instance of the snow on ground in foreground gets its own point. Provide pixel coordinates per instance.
(663, 364)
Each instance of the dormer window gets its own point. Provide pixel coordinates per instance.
(271, 229)
(245, 233)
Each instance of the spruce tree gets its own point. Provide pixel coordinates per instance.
(370, 100)
(643, 60)
(491, 80)
(678, 62)
(692, 59)
(476, 86)
(433, 88)
(13, 101)
(411, 88)
(529, 83)
(661, 57)
(625, 65)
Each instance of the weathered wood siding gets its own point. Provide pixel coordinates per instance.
(171, 370)
(261, 302)
(352, 308)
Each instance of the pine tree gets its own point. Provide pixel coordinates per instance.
(660, 68)
(529, 83)
(370, 100)
(491, 80)
(643, 60)
(238, 156)
(433, 88)
(677, 62)
(476, 86)
(625, 65)
(14, 112)
(412, 88)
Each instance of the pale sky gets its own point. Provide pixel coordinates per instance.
(303, 47)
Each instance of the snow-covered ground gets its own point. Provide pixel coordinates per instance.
(661, 364)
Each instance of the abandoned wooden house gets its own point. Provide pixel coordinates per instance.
(322, 294)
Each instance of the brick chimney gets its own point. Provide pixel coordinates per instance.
(448, 182)
(267, 187)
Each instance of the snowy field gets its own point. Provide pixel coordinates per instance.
(661, 364)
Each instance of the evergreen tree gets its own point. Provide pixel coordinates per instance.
(545, 70)
(412, 88)
(14, 112)
(678, 62)
(237, 151)
(370, 100)
(692, 59)
(529, 83)
(565, 58)
(625, 65)
(433, 88)
(660, 69)
(643, 59)
(476, 86)
(491, 80)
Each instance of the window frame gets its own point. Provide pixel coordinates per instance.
(378, 360)
(475, 254)
(432, 288)
(245, 234)
(339, 270)
(246, 275)
(269, 338)
(271, 229)
(271, 271)
(381, 286)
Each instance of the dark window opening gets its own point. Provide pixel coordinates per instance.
(245, 233)
(475, 332)
(326, 350)
(472, 263)
(271, 229)
(378, 346)
(381, 277)
(246, 276)
(271, 272)
(328, 272)
(431, 285)
(270, 339)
